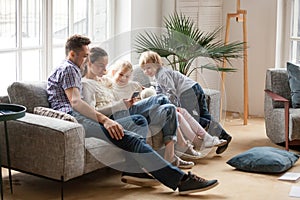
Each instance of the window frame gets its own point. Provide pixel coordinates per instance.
(294, 24)
(284, 38)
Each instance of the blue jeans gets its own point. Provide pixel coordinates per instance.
(161, 115)
(193, 100)
(137, 152)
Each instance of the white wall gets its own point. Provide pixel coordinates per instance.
(132, 16)
(146, 13)
(261, 25)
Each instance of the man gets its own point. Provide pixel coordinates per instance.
(64, 90)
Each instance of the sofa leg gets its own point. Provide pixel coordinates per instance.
(62, 188)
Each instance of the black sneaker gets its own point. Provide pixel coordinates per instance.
(139, 179)
(194, 183)
(221, 149)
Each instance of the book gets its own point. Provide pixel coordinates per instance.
(290, 176)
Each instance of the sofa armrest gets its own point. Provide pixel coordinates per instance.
(44, 146)
(276, 97)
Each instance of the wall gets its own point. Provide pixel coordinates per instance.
(261, 25)
(133, 17)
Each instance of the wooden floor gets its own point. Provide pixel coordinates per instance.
(106, 184)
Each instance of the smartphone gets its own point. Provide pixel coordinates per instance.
(135, 94)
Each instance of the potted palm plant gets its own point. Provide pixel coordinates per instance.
(182, 42)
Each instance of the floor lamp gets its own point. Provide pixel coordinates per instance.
(240, 16)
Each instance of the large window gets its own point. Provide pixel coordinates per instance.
(21, 41)
(33, 33)
(295, 32)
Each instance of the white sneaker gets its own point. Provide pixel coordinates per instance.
(178, 162)
(215, 142)
(188, 152)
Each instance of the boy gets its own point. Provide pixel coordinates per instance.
(188, 92)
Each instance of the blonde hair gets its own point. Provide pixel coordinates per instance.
(120, 65)
(150, 57)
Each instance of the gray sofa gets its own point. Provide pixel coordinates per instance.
(55, 148)
(50, 147)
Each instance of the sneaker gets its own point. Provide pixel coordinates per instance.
(182, 164)
(221, 149)
(139, 179)
(197, 142)
(215, 142)
(188, 152)
(194, 183)
(205, 151)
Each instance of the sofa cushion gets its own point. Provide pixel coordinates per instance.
(264, 160)
(4, 99)
(99, 153)
(28, 94)
(139, 76)
(53, 113)
(294, 81)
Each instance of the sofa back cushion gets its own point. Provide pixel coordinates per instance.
(294, 81)
(28, 94)
(139, 76)
(277, 81)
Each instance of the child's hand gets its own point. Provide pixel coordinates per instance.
(136, 99)
(128, 102)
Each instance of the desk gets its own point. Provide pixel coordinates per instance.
(9, 112)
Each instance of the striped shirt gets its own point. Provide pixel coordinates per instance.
(67, 75)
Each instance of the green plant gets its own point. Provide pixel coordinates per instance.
(183, 42)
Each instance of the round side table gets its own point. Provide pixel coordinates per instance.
(9, 112)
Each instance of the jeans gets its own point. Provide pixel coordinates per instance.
(212, 127)
(137, 152)
(193, 100)
(161, 115)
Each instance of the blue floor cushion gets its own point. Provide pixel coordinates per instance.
(264, 160)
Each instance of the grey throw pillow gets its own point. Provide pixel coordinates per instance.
(28, 94)
(264, 160)
(294, 81)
